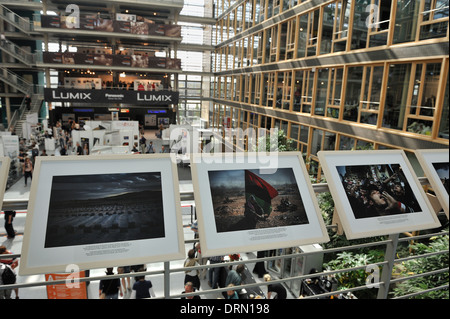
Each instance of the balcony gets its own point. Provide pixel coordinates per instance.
(101, 61)
(142, 31)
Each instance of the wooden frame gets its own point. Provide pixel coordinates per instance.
(376, 193)
(435, 164)
(221, 233)
(5, 162)
(74, 198)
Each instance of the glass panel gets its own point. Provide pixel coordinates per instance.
(396, 95)
(406, 21)
(294, 131)
(353, 93)
(302, 35)
(369, 118)
(329, 141)
(443, 127)
(327, 28)
(346, 143)
(435, 30)
(322, 87)
(430, 88)
(316, 143)
(304, 132)
(359, 34)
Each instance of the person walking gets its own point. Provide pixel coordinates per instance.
(28, 169)
(110, 288)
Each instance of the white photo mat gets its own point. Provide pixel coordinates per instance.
(380, 225)
(214, 242)
(428, 159)
(36, 259)
(4, 171)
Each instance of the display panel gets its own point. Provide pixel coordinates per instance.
(242, 205)
(102, 211)
(435, 164)
(376, 193)
(4, 170)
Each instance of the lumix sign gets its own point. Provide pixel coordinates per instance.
(111, 96)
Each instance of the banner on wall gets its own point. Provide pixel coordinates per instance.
(138, 61)
(76, 290)
(163, 97)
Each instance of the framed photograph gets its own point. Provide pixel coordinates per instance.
(376, 193)
(4, 171)
(102, 211)
(245, 205)
(435, 166)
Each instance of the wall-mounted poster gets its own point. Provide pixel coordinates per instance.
(435, 164)
(245, 205)
(102, 211)
(376, 193)
(4, 170)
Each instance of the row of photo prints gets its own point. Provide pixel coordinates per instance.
(98, 211)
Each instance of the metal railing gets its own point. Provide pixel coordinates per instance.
(23, 24)
(384, 284)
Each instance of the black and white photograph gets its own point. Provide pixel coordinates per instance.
(244, 200)
(435, 164)
(246, 203)
(102, 211)
(376, 193)
(90, 209)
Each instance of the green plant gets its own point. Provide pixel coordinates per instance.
(423, 265)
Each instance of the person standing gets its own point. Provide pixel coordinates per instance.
(27, 169)
(276, 288)
(214, 272)
(9, 217)
(28, 102)
(192, 275)
(142, 288)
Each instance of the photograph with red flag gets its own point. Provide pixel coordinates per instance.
(245, 199)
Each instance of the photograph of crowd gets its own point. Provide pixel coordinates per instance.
(104, 208)
(245, 200)
(377, 190)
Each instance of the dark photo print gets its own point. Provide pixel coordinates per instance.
(442, 171)
(245, 200)
(91, 209)
(377, 190)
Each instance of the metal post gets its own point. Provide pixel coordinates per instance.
(166, 279)
(389, 257)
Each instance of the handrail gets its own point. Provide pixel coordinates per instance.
(19, 22)
(318, 188)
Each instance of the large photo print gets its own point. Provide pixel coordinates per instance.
(5, 162)
(377, 190)
(376, 193)
(244, 199)
(102, 211)
(245, 203)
